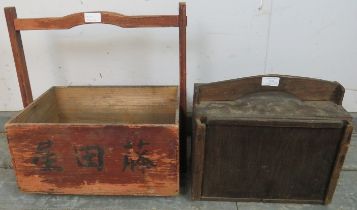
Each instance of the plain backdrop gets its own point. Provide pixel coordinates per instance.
(225, 40)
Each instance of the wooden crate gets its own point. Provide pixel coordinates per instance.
(269, 138)
(114, 140)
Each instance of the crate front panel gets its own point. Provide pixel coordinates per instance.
(262, 162)
(118, 160)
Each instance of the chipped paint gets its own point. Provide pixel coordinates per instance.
(160, 142)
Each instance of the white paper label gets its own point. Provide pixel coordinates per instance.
(270, 81)
(92, 17)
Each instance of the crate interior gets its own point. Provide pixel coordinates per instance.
(124, 105)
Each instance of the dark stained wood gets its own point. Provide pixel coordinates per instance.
(270, 144)
(198, 158)
(268, 162)
(112, 18)
(262, 200)
(305, 89)
(272, 105)
(282, 123)
(19, 56)
(342, 151)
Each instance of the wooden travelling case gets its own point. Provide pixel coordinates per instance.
(269, 138)
(104, 140)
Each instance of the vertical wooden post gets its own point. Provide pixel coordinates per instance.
(183, 103)
(341, 155)
(182, 34)
(198, 156)
(19, 56)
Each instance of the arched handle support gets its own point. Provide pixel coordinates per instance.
(112, 18)
(15, 25)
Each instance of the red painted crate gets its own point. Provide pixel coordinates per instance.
(117, 140)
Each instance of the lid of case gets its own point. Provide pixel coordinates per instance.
(279, 97)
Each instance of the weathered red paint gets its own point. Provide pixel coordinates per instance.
(67, 176)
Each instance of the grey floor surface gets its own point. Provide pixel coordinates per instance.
(345, 197)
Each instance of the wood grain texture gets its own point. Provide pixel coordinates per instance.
(15, 25)
(77, 19)
(114, 104)
(183, 97)
(306, 89)
(43, 110)
(98, 140)
(198, 148)
(268, 162)
(272, 105)
(68, 129)
(182, 49)
(95, 159)
(147, 105)
(19, 56)
(339, 160)
(270, 144)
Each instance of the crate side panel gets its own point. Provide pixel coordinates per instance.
(139, 105)
(43, 110)
(118, 160)
(269, 162)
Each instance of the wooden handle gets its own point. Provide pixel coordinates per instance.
(19, 56)
(15, 25)
(112, 18)
(306, 89)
